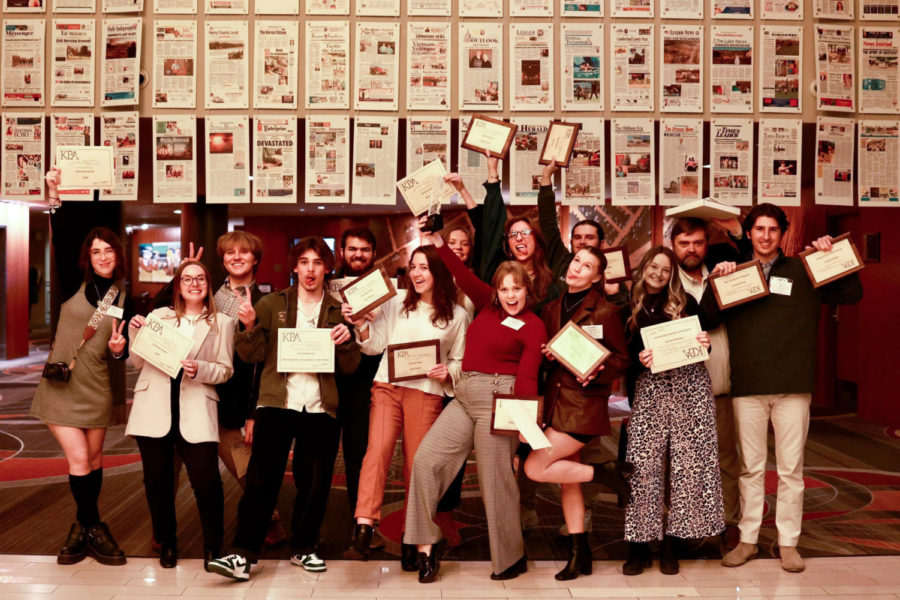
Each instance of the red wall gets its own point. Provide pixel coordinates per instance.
(14, 217)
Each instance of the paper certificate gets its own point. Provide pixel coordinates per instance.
(368, 291)
(618, 267)
(512, 415)
(674, 344)
(492, 135)
(302, 350)
(745, 284)
(162, 345)
(558, 143)
(577, 350)
(83, 167)
(426, 187)
(412, 360)
(825, 267)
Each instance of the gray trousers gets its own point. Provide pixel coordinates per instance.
(466, 423)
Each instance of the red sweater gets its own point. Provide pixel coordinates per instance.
(492, 347)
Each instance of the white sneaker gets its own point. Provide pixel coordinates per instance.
(234, 566)
(311, 562)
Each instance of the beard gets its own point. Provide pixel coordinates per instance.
(691, 263)
(355, 268)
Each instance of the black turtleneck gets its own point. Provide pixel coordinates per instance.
(570, 303)
(95, 290)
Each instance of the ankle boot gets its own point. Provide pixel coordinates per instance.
(359, 546)
(580, 559)
(409, 557)
(668, 556)
(638, 558)
(614, 474)
(428, 566)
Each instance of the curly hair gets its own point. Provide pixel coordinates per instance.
(444, 293)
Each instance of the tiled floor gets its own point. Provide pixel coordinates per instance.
(40, 578)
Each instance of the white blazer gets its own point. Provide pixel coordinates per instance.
(151, 415)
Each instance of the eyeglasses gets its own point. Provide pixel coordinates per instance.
(104, 252)
(188, 280)
(522, 233)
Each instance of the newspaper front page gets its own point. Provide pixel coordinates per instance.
(72, 82)
(731, 161)
(375, 160)
(327, 68)
(71, 129)
(378, 8)
(680, 161)
(377, 66)
(275, 159)
(833, 9)
(275, 71)
(427, 140)
(531, 66)
(634, 9)
(123, 6)
(226, 7)
(732, 9)
(531, 8)
(780, 144)
(524, 152)
(779, 71)
(120, 131)
(327, 7)
(582, 66)
(75, 6)
(121, 64)
(327, 158)
(227, 159)
(879, 163)
(782, 10)
(835, 143)
(175, 7)
(731, 69)
(480, 66)
(835, 60)
(682, 9)
(226, 64)
(472, 166)
(24, 6)
(590, 8)
(584, 182)
(879, 69)
(23, 62)
(428, 8)
(22, 169)
(428, 66)
(174, 159)
(174, 64)
(681, 79)
(631, 67)
(633, 154)
(879, 10)
(480, 8)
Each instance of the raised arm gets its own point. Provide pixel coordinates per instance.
(492, 224)
(558, 256)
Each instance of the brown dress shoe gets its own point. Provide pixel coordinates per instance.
(741, 554)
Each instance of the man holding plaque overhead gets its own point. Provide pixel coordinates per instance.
(299, 334)
(772, 341)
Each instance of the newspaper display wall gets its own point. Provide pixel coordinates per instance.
(22, 76)
(732, 9)
(427, 140)
(22, 167)
(428, 66)
(731, 161)
(631, 68)
(121, 64)
(472, 166)
(782, 10)
(633, 148)
(428, 8)
(779, 71)
(327, 7)
(377, 66)
(731, 69)
(582, 66)
(375, 160)
(23, 6)
(226, 7)
(71, 129)
(275, 159)
(531, 8)
(175, 7)
(835, 143)
(524, 170)
(275, 71)
(591, 8)
(531, 68)
(277, 7)
(226, 64)
(174, 159)
(73, 43)
(123, 6)
(879, 163)
(680, 161)
(879, 70)
(327, 70)
(681, 79)
(682, 9)
(584, 182)
(120, 131)
(634, 9)
(480, 8)
(327, 158)
(174, 64)
(780, 144)
(833, 9)
(75, 6)
(378, 8)
(481, 66)
(227, 159)
(835, 61)
(879, 10)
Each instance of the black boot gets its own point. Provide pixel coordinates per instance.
(103, 547)
(168, 556)
(75, 548)
(638, 558)
(668, 556)
(580, 559)
(614, 474)
(409, 558)
(359, 547)
(517, 568)
(428, 566)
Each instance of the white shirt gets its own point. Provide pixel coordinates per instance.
(303, 392)
(718, 364)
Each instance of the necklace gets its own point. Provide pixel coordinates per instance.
(568, 308)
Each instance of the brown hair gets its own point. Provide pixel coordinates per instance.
(443, 294)
(178, 300)
(676, 298)
(543, 276)
(469, 236)
(104, 235)
(241, 239)
(687, 226)
(520, 276)
(317, 245)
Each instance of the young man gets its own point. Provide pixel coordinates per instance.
(772, 342)
(292, 408)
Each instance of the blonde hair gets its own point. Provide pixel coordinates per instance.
(675, 295)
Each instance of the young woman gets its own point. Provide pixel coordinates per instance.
(461, 241)
(673, 410)
(502, 354)
(427, 311)
(78, 409)
(575, 409)
(180, 413)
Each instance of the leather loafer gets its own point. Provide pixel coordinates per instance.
(428, 566)
(168, 557)
(75, 548)
(517, 568)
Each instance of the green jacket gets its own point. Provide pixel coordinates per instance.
(277, 310)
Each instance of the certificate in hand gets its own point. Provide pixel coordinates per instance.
(491, 135)
(368, 291)
(745, 284)
(618, 265)
(559, 142)
(825, 267)
(412, 360)
(302, 350)
(577, 350)
(419, 187)
(162, 345)
(85, 167)
(674, 344)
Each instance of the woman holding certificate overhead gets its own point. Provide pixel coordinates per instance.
(422, 335)
(179, 414)
(675, 410)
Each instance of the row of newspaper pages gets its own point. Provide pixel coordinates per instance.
(329, 170)
(671, 9)
(635, 81)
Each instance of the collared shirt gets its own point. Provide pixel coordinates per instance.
(767, 267)
(303, 392)
(227, 302)
(718, 363)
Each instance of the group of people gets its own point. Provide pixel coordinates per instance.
(491, 298)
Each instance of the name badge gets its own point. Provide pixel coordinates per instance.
(116, 312)
(513, 323)
(781, 285)
(595, 331)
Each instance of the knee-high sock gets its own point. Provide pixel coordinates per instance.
(85, 491)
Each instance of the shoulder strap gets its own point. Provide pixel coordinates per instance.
(96, 318)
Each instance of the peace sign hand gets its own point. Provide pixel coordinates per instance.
(246, 314)
(191, 255)
(116, 339)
